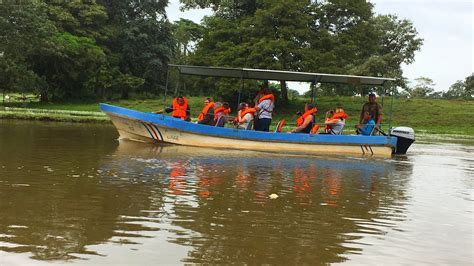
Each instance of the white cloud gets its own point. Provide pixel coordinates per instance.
(447, 29)
(195, 15)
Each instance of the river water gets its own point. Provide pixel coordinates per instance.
(72, 194)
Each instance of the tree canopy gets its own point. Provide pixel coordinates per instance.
(341, 37)
(76, 49)
(66, 50)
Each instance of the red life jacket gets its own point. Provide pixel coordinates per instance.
(221, 109)
(179, 111)
(267, 97)
(205, 110)
(301, 119)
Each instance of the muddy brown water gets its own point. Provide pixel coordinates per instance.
(72, 194)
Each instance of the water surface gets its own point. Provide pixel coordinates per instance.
(72, 194)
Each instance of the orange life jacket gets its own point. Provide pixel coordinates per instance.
(338, 115)
(179, 110)
(266, 97)
(246, 111)
(221, 109)
(301, 119)
(205, 110)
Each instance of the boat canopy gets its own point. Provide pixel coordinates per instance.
(265, 74)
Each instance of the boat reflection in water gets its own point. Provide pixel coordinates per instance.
(218, 201)
(172, 204)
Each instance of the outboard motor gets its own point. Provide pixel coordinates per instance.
(405, 137)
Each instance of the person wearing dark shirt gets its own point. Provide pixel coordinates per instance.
(179, 109)
(306, 121)
(373, 108)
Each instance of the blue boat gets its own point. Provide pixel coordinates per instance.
(160, 128)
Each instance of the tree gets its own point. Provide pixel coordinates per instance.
(187, 34)
(341, 37)
(423, 88)
(469, 87)
(398, 42)
(23, 29)
(461, 89)
(140, 42)
(457, 90)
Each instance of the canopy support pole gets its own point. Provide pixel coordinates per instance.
(383, 96)
(383, 92)
(166, 89)
(313, 86)
(391, 109)
(240, 91)
(176, 90)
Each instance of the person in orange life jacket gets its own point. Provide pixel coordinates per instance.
(221, 110)
(373, 108)
(244, 116)
(306, 121)
(179, 109)
(336, 122)
(329, 115)
(264, 108)
(206, 117)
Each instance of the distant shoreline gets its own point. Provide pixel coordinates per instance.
(425, 116)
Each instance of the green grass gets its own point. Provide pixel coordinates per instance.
(428, 116)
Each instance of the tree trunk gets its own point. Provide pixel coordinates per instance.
(124, 93)
(44, 97)
(284, 92)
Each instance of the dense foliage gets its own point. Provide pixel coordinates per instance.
(331, 36)
(76, 49)
(96, 49)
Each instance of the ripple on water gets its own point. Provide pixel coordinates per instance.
(135, 203)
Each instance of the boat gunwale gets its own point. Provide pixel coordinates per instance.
(389, 141)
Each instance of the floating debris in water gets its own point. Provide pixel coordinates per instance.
(48, 168)
(20, 185)
(76, 175)
(17, 226)
(273, 196)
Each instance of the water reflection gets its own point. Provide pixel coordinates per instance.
(324, 205)
(78, 196)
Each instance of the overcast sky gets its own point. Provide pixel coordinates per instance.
(446, 26)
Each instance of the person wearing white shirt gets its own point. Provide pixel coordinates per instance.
(264, 111)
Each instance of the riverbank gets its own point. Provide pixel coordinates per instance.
(426, 116)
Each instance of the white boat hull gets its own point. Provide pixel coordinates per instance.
(138, 130)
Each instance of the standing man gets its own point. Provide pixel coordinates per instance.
(265, 106)
(374, 109)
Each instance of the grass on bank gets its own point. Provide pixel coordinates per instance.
(428, 116)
